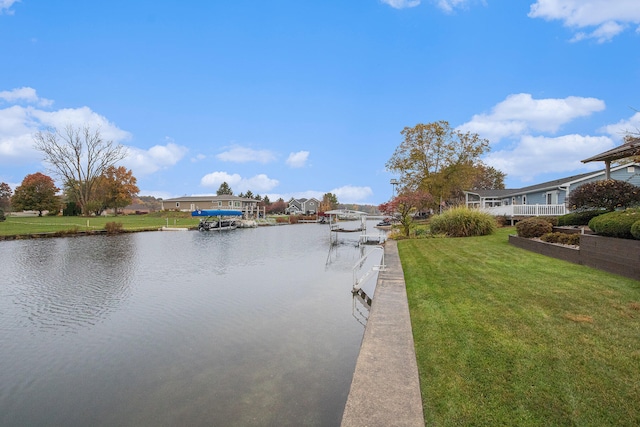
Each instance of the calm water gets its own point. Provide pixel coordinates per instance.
(250, 327)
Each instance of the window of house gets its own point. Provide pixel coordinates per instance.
(219, 204)
(230, 203)
(631, 169)
(177, 204)
(524, 199)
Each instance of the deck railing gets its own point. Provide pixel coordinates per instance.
(527, 210)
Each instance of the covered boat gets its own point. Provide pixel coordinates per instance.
(217, 219)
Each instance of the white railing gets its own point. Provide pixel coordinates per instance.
(527, 210)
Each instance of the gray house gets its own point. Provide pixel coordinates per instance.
(249, 207)
(548, 198)
(303, 206)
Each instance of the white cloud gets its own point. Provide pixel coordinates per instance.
(520, 114)
(351, 194)
(607, 16)
(535, 155)
(617, 131)
(401, 4)
(257, 184)
(25, 94)
(198, 158)
(145, 162)
(18, 123)
(298, 160)
(238, 154)
(5, 5)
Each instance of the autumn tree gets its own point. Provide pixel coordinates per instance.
(405, 205)
(37, 192)
(277, 207)
(329, 202)
(224, 189)
(487, 178)
(121, 187)
(5, 196)
(78, 156)
(437, 159)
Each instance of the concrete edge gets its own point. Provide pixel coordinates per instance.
(385, 390)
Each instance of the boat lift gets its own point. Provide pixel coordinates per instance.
(213, 219)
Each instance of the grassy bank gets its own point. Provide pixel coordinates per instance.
(507, 337)
(52, 224)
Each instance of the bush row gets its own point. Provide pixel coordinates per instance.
(579, 218)
(562, 238)
(617, 224)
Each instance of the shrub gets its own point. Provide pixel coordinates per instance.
(580, 217)
(533, 227)
(615, 224)
(113, 227)
(2, 217)
(606, 194)
(562, 238)
(463, 222)
(635, 230)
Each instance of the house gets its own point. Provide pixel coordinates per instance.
(249, 207)
(548, 198)
(303, 206)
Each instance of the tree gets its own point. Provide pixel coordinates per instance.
(605, 194)
(5, 196)
(279, 206)
(487, 178)
(78, 156)
(405, 205)
(121, 187)
(224, 189)
(249, 194)
(437, 159)
(37, 192)
(329, 202)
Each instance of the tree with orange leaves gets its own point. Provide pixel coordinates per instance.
(37, 192)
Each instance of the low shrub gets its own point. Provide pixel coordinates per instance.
(579, 218)
(113, 227)
(562, 238)
(533, 227)
(615, 224)
(2, 217)
(463, 222)
(635, 230)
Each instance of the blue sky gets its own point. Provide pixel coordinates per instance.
(298, 98)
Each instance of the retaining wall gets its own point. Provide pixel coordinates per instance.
(618, 256)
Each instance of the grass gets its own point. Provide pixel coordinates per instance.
(508, 337)
(70, 224)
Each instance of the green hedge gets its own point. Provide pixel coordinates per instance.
(462, 222)
(616, 224)
(635, 230)
(579, 218)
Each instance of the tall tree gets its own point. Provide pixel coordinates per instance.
(487, 178)
(121, 187)
(224, 189)
(437, 159)
(5, 196)
(78, 156)
(37, 192)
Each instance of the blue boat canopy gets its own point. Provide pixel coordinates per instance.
(216, 212)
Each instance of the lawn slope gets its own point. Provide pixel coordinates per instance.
(508, 337)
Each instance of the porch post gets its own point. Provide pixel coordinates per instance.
(607, 169)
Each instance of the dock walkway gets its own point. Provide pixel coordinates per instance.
(385, 390)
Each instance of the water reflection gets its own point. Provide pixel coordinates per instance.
(245, 328)
(69, 283)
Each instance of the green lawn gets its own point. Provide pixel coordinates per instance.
(508, 337)
(28, 225)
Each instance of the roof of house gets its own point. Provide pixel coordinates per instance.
(561, 182)
(208, 197)
(629, 149)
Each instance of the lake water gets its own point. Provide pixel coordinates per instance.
(253, 327)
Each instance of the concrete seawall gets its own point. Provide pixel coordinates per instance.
(385, 390)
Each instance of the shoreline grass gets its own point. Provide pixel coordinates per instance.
(504, 336)
(27, 225)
